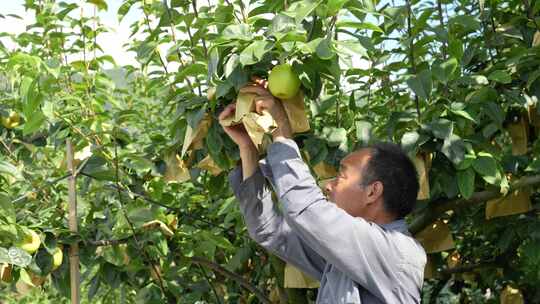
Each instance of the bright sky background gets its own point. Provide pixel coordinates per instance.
(111, 42)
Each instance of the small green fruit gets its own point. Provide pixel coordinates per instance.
(283, 83)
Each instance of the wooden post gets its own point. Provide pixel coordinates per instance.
(74, 271)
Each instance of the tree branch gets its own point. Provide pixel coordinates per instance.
(152, 201)
(130, 223)
(467, 268)
(437, 208)
(411, 51)
(235, 277)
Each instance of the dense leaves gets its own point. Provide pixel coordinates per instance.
(445, 79)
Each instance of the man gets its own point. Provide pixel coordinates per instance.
(356, 243)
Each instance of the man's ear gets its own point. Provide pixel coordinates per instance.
(375, 191)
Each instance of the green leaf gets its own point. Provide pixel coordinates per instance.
(359, 26)
(282, 24)
(335, 5)
(421, 84)
(500, 76)
(101, 4)
(7, 168)
(458, 108)
(30, 96)
(237, 32)
(4, 256)
(34, 122)
(140, 215)
(254, 52)
(124, 9)
(467, 162)
(532, 77)
(97, 168)
(464, 24)
(454, 148)
(441, 128)
(239, 258)
(114, 255)
(351, 48)
(443, 71)
(486, 166)
(217, 240)
(316, 149)
(466, 182)
(192, 70)
(301, 9)
(324, 49)
(8, 212)
(231, 64)
(25, 277)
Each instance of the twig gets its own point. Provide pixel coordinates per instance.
(194, 4)
(312, 28)
(152, 201)
(441, 21)
(234, 12)
(160, 59)
(48, 184)
(74, 270)
(100, 243)
(210, 283)
(11, 155)
(411, 52)
(191, 42)
(132, 227)
(530, 13)
(173, 35)
(235, 277)
(467, 268)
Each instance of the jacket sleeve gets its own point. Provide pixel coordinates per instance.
(358, 248)
(267, 226)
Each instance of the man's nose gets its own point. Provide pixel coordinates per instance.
(329, 186)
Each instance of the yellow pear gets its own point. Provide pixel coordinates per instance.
(31, 242)
(11, 121)
(58, 256)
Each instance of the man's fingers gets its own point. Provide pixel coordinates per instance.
(259, 106)
(228, 111)
(255, 89)
(259, 81)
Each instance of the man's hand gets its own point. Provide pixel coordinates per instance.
(266, 102)
(248, 151)
(237, 133)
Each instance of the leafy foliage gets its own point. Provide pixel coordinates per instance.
(442, 78)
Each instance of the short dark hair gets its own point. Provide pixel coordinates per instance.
(389, 164)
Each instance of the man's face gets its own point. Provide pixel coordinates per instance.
(346, 190)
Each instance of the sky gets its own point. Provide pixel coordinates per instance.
(112, 42)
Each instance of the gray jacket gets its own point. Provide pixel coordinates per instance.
(356, 261)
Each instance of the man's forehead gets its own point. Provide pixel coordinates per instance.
(356, 158)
